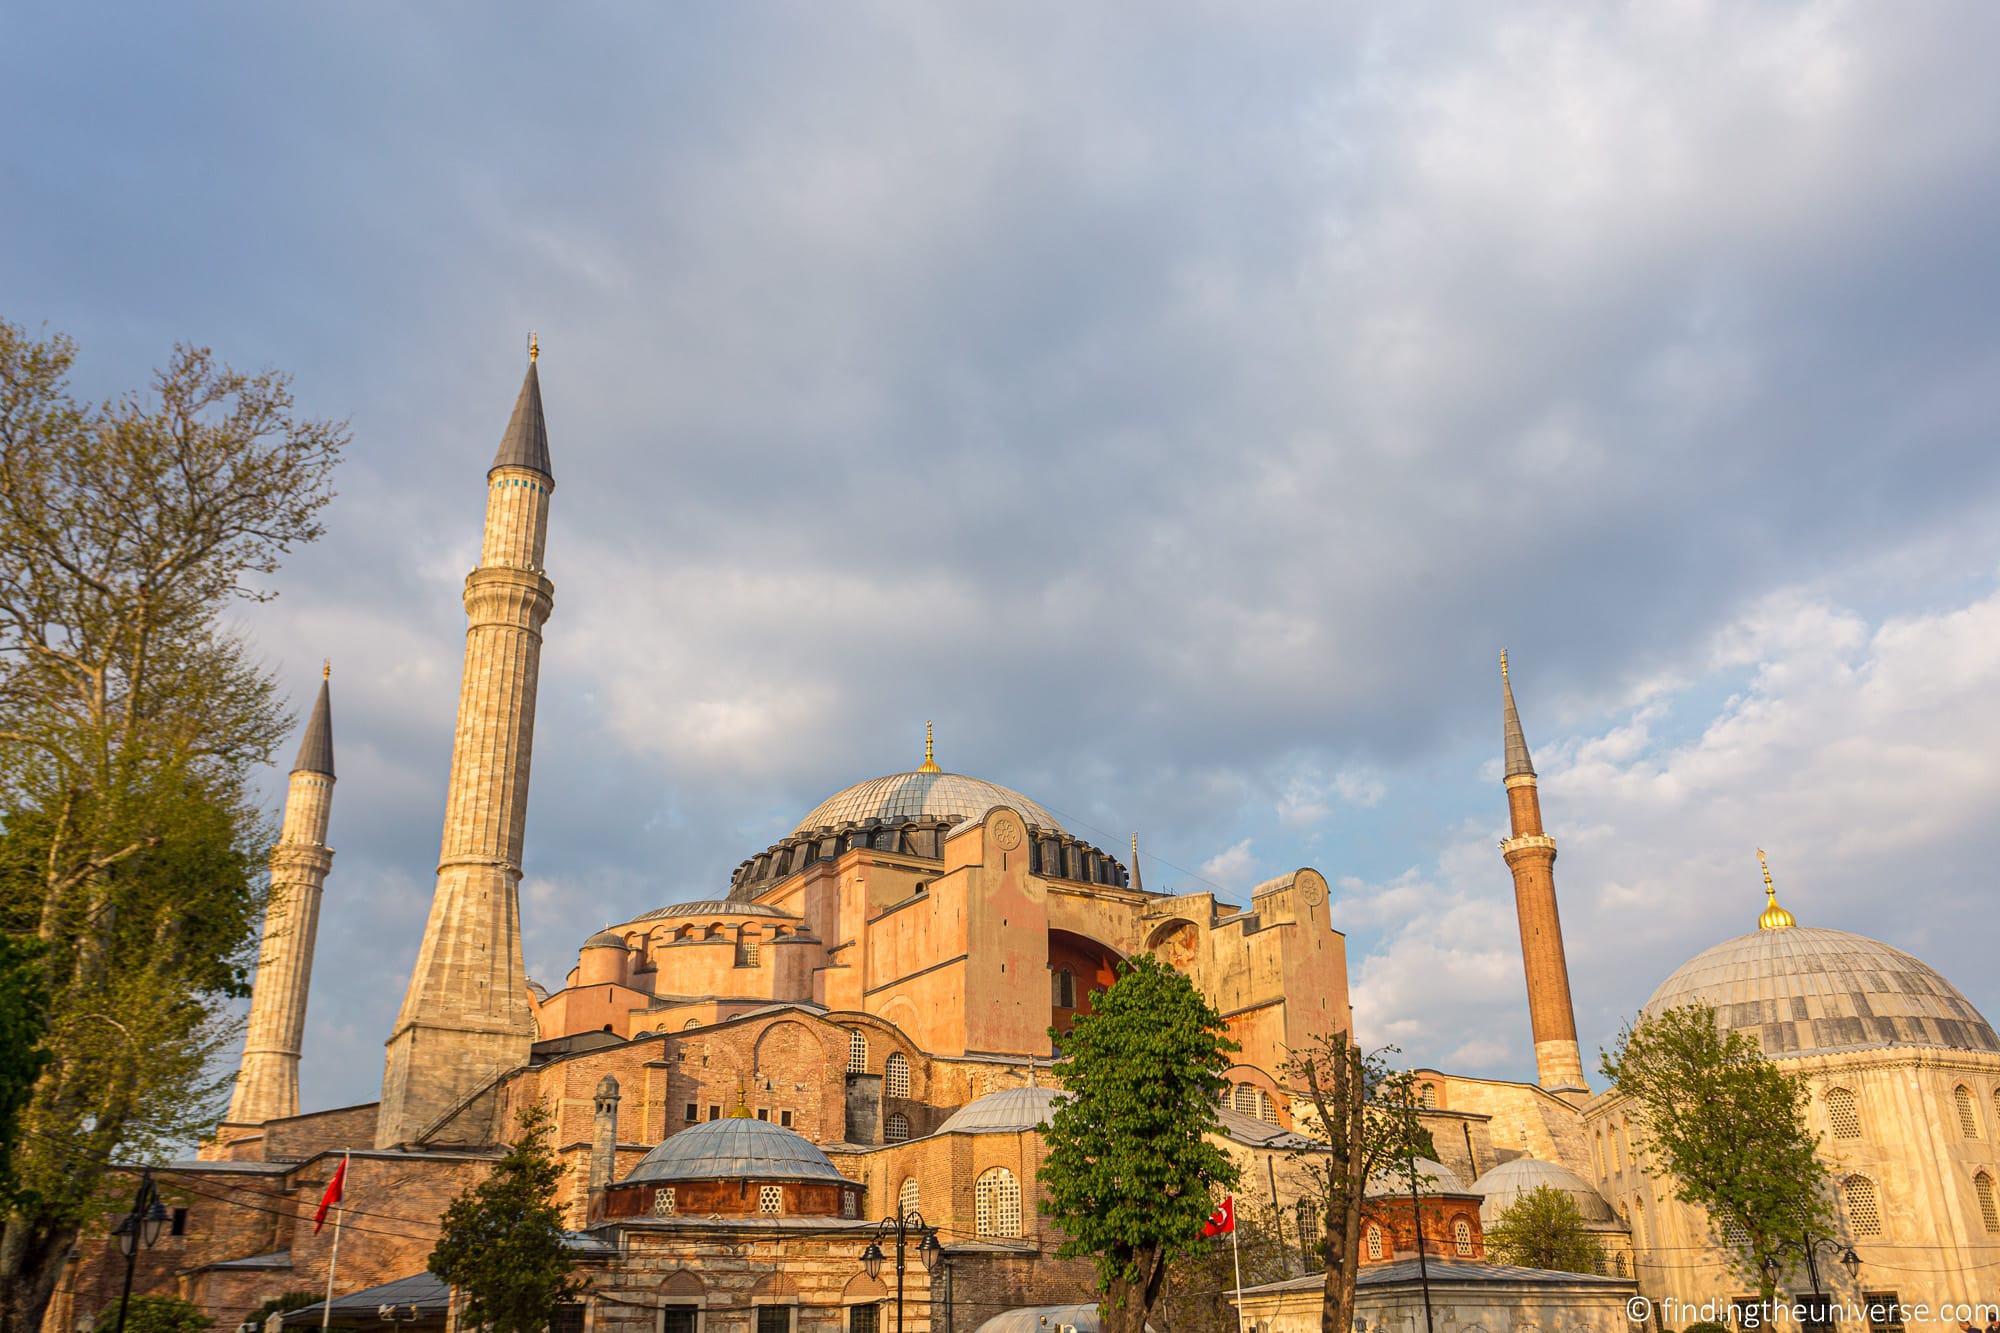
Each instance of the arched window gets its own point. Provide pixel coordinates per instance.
(1597, 1153)
(896, 1076)
(1461, 1236)
(1967, 1121)
(746, 948)
(1864, 1214)
(1989, 1210)
(1427, 1096)
(1266, 1108)
(857, 1051)
(1244, 1099)
(1840, 1111)
(896, 1128)
(996, 1198)
(1374, 1235)
(907, 1197)
(1617, 1157)
(1065, 988)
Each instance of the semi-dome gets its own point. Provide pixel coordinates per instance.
(921, 795)
(1803, 990)
(1008, 1111)
(735, 1149)
(1507, 1182)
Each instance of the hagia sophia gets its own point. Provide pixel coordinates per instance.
(859, 1024)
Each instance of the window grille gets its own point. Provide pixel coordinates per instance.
(1245, 1099)
(1966, 1120)
(774, 1319)
(1864, 1214)
(1266, 1108)
(746, 951)
(1735, 1234)
(1989, 1211)
(896, 1076)
(1461, 1236)
(679, 1318)
(896, 1128)
(1427, 1096)
(1840, 1111)
(906, 1197)
(997, 1203)
(864, 1319)
(857, 1053)
(1884, 1310)
(1374, 1242)
(567, 1318)
(770, 1199)
(663, 1202)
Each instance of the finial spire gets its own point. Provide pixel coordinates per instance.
(930, 751)
(1519, 762)
(316, 745)
(534, 347)
(1774, 917)
(741, 1111)
(326, 668)
(1135, 864)
(526, 441)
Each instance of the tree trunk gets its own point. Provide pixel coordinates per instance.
(31, 1262)
(1127, 1301)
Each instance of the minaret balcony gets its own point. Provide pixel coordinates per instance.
(1526, 841)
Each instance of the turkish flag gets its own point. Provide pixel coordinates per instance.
(334, 1189)
(1223, 1220)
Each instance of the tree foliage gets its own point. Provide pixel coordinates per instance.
(1544, 1229)
(1728, 1128)
(132, 718)
(158, 1314)
(1131, 1171)
(501, 1242)
(24, 1017)
(1363, 1113)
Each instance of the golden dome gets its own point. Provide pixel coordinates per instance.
(1774, 917)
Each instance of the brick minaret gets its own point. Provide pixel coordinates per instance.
(465, 1016)
(267, 1082)
(1531, 855)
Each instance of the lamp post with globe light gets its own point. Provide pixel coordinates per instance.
(138, 1230)
(1821, 1314)
(902, 1227)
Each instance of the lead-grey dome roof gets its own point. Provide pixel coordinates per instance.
(920, 795)
(711, 907)
(1007, 1111)
(1803, 990)
(1432, 1178)
(1507, 1182)
(735, 1149)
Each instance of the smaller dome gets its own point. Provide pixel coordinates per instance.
(1008, 1111)
(711, 907)
(1044, 1319)
(735, 1149)
(1507, 1182)
(921, 795)
(604, 939)
(1432, 1178)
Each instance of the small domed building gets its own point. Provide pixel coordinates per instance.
(1905, 1080)
(1505, 1185)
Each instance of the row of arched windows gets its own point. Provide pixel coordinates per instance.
(1843, 1112)
(1253, 1100)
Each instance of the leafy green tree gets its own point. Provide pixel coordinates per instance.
(501, 1242)
(1728, 1128)
(1131, 1171)
(24, 1017)
(1544, 1229)
(291, 1300)
(132, 720)
(159, 1314)
(1363, 1114)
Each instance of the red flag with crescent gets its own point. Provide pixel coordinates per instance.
(1223, 1220)
(334, 1189)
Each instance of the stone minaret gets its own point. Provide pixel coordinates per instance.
(603, 1135)
(465, 1016)
(1531, 855)
(267, 1082)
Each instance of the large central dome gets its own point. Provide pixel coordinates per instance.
(921, 795)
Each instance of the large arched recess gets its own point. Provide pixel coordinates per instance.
(1078, 965)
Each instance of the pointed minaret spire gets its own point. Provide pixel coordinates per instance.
(1531, 855)
(267, 1082)
(465, 1016)
(526, 443)
(930, 753)
(1135, 864)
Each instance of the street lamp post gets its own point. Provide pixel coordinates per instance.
(1849, 1260)
(138, 1230)
(903, 1227)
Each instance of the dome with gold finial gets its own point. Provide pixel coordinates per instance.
(1804, 990)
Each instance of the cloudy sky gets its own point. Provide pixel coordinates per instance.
(1180, 404)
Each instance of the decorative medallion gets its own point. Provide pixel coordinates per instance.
(1312, 887)
(1004, 827)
